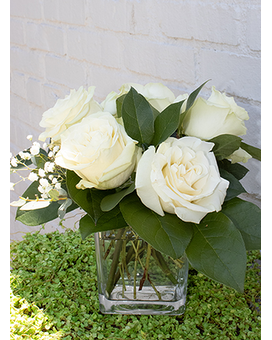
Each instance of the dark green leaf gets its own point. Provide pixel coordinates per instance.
(190, 102)
(246, 217)
(39, 216)
(252, 150)
(138, 117)
(167, 123)
(111, 201)
(236, 169)
(167, 234)
(82, 198)
(217, 250)
(225, 145)
(88, 227)
(193, 95)
(90, 201)
(119, 103)
(235, 187)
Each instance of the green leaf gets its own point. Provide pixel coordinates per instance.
(189, 104)
(225, 145)
(193, 95)
(235, 187)
(82, 198)
(90, 201)
(119, 103)
(252, 150)
(246, 216)
(236, 169)
(111, 201)
(167, 234)
(167, 123)
(39, 216)
(138, 117)
(88, 227)
(217, 250)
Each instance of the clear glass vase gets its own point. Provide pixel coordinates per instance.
(134, 278)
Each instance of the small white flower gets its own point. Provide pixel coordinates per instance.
(44, 182)
(29, 137)
(45, 145)
(56, 149)
(41, 173)
(54, 180)
(33, 177)
(51, 177)
(49, 167)
(50, 154)
(35, 149)
(12, 186)
(44, 188)
(58, 186)
(24, 155)
(14, 162)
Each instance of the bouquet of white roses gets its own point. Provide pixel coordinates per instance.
(165, 166)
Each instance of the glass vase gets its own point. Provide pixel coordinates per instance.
(134, 278)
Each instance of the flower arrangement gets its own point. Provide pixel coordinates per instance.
(166, 166)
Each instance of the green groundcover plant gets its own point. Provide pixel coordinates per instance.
(167, 167)
(54, 296)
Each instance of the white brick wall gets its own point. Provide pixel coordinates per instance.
(61, 44)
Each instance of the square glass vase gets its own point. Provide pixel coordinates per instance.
(134, 278)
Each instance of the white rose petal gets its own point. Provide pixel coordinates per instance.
(68, 111)
(217, 115)
(181, 178)
(33, 205)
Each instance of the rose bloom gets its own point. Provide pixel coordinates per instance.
(216, 116)
(181, 178)
(99, 150)
(157, 94)
(68, 111)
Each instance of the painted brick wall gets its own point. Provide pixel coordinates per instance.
(61, 44)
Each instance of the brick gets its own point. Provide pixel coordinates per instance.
(17, 84)
(72, 12)
(35, 36)
(64, 71)
(51, 10)
(169, 62)
(85, 45)
(113, 14)
(27, 61)
(33, 89)
(253, 29)
(45, 37)
(206, 22)
(17, 32)
(31, 9)
(237, 74)
(54, 37)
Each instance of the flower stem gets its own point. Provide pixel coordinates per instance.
(115, 260)
(163, 265)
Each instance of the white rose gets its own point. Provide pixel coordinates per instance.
(157, 94)
(68, 111)
(99, 150)
(181, 178)
(217, 115)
